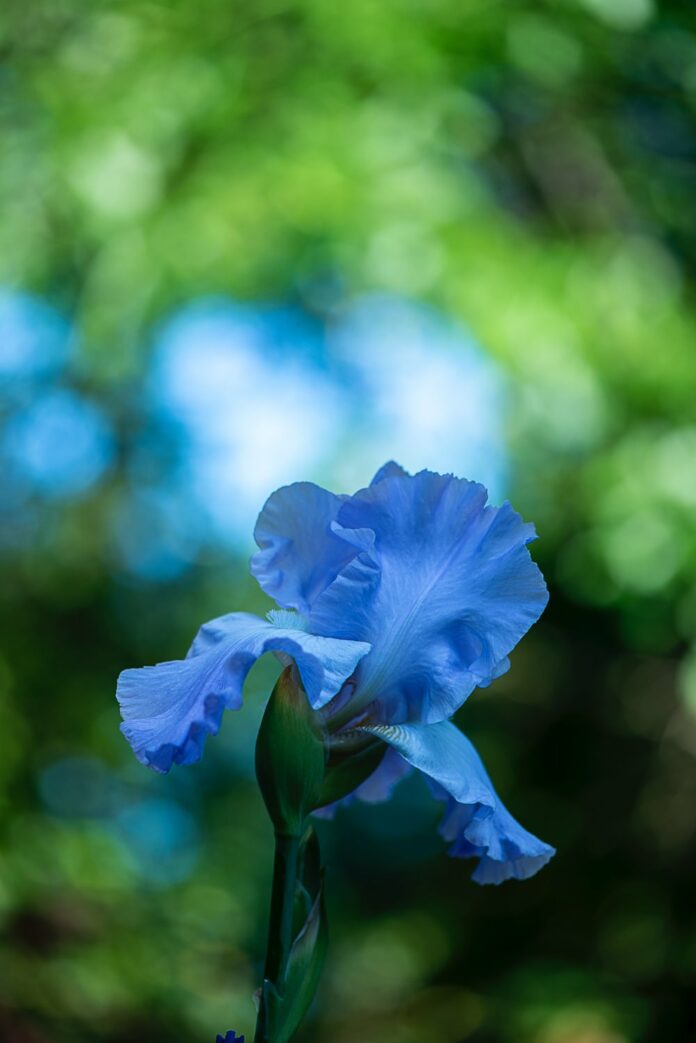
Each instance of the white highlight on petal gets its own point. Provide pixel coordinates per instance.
(286, 619)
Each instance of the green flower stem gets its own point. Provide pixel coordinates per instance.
(280, 934)
(282, 904)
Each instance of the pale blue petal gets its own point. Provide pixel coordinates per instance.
(443, 588)
(324, 662)
(169, 709)
(299, 553)
(504, 848)
(477, 823)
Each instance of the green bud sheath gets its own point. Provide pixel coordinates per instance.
(291, 755)
(349, 765)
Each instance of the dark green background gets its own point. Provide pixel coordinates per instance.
(527, 168)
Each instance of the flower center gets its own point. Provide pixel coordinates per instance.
(286, 619)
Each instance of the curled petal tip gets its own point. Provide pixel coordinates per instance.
(168, 710)
(229, 1037)
(477, 824)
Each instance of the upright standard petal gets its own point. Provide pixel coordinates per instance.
(299, 553)
(476, 822)
(169, 709)
(443, 588)
(389, 470)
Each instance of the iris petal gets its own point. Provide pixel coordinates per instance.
(299, 553)
(389, 470)
(476, 822)
(443, 587)
(169, 709)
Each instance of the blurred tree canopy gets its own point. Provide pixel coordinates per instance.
(526, 168)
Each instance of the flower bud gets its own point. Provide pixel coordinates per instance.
(290, 755)
(351, 761)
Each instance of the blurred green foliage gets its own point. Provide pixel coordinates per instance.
(528, 168)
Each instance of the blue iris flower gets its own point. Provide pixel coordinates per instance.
(229, 1037)
(395, 603)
